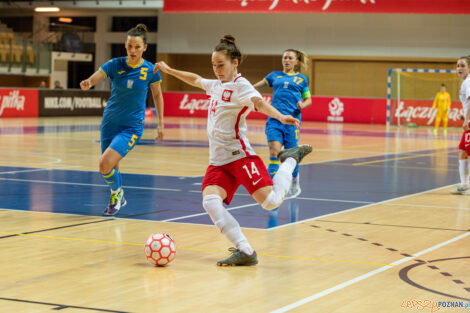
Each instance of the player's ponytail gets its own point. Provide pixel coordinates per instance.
(228, 45)
(302, 57)
(139, 31)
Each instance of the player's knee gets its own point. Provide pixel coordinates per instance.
(272, 201)
(105, 166)
(211, 202)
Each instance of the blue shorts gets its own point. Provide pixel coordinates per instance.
(120, 139)
(287, 135)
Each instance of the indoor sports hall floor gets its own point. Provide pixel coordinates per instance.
(375, 228)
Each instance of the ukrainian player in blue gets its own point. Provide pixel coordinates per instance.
(290, 95)
(123, 119)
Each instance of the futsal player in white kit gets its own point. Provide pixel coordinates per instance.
(233, 162)
(463, 71)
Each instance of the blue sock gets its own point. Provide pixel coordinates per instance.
(114, 180)
(273, 166)
(295, 173)
(272, 221)
(119, 179)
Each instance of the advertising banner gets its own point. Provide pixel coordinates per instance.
(319, 6)
(346, 110)
(421, 113)
(325, 109)
(18, 102)
(191, 104)
(72, 102)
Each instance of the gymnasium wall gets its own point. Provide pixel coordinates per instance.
(351, 53)
(371, 35)
(329, 75)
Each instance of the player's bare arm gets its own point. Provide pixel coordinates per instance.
(260, 85)
(188, 77)
(265, 108)
(304, 104)
(92, 80)
(158, 100)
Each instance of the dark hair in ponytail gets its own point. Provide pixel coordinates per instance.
(139, 31)
(228, 44)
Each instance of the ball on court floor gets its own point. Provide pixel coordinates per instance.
(160, 249)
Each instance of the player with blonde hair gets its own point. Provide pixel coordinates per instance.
(290, 95)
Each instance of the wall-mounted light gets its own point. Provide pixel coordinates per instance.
(65, 19)
(46, 9)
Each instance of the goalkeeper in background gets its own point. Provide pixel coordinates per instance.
(442, 102)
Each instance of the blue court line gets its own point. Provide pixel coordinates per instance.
(18, 130)
(166, 198)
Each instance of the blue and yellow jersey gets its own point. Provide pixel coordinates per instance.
(129, 88)
(288, 89)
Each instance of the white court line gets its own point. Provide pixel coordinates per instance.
(83, 184)
(361, 207)
(130, 218)
(56, 161)
(41, 169)
(364, 276)
(331, 200)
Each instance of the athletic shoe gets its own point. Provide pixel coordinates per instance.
(239, 258)
(116, 202)
(460, 190)
(297, 153)
(294, 190)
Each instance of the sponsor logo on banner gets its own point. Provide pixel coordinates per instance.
(18, 102)
(336, 108)
(323, 6)
(12, 101)
(422, 113)
(195, 102)
(72, 103)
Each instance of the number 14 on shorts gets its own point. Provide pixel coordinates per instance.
(252, 172)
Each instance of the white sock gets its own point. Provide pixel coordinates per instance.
(281, 184)
(463, 171)
(283, 178)
(226, 223)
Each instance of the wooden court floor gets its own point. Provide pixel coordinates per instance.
(404, 254)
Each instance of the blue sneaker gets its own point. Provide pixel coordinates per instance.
(116, 202)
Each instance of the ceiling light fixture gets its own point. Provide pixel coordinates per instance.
(46, 9)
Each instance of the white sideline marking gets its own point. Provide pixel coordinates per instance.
(41, 169)
(360, 207)
(364, 276)
(83, 184)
